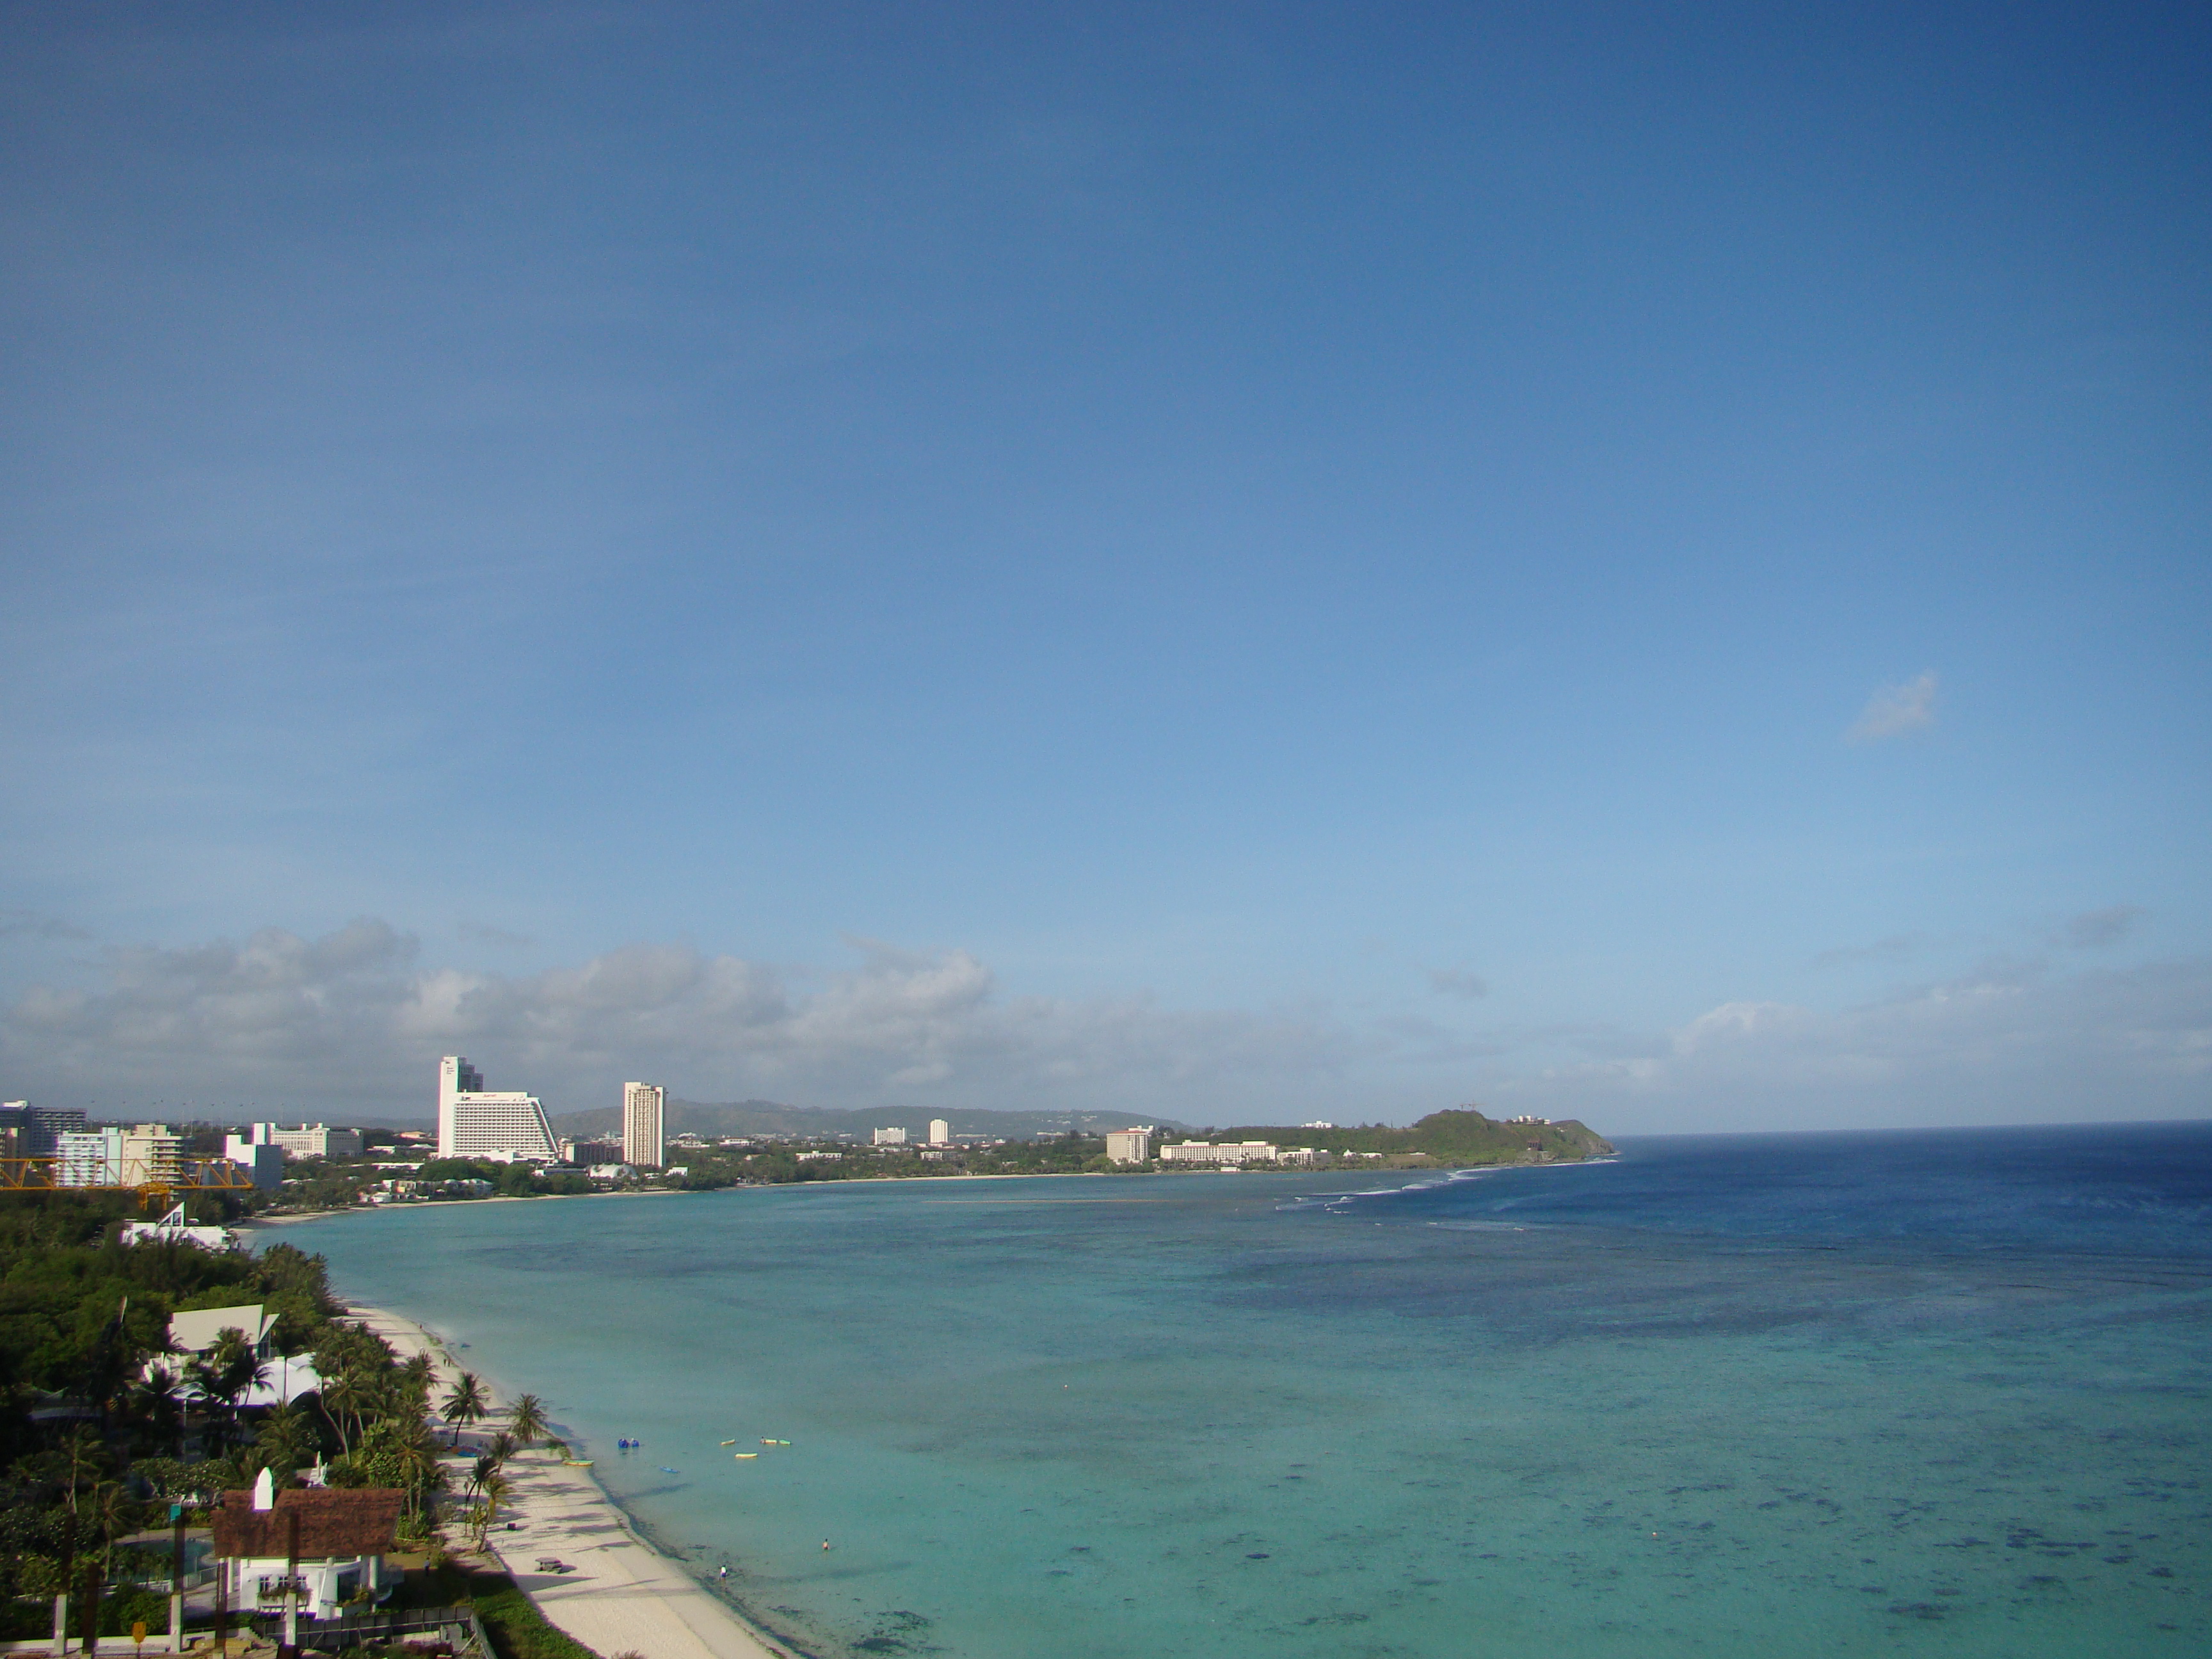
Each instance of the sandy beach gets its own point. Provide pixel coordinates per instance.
(623, 1596)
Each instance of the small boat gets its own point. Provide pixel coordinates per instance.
(576, 1463)
(743, 1455)
(665, 1469)
(729, 1443)
(765, 1441)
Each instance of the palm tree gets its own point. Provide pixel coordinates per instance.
(111, 1513)
(502, 1447)
(526, 1422)
(158, 1397)
(400, 1452)
(344, 1394)
(285, 1439)
(496, 1486)
(81, 1452)
(228, 1372)
(464, 1403)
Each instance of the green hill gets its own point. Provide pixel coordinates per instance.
(1456, 1138)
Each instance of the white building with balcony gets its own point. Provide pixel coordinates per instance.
(1129, 1146)
(644, 1125)
(474, 1122)
(1233, 1153)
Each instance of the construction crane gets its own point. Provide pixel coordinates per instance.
(201, 1175)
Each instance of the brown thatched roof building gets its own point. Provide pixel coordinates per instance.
(356, 1521)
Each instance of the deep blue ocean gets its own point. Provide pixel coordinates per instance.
(1935, 1393)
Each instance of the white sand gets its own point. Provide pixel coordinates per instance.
(624, 1596)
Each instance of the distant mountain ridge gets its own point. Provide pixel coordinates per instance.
(770, 1117)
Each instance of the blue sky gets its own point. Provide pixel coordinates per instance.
(1233, 563)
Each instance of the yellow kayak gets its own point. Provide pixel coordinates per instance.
(729, 1443)
(745, 1453)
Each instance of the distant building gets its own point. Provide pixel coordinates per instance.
(643, 1137)
(38, 1129)
(263, 1161)
(591, 1152)
(316, 1140)
(144, 1155)
(175, 1229)
(1129, 1146)
(891, 1137)
(1317, 1123)
(610, 1172)
(940, 1132)
(1536, 1121)
(475, 1122)
(1234, 1151)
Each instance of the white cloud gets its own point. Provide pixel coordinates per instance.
(2010, 1042)
(351, 1023)
(1896, 709)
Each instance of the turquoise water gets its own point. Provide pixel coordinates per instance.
(1797, 1394)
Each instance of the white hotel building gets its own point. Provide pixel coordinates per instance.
(475, 1122)
(645, 1126)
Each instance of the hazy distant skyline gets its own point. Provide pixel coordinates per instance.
(1229, 563)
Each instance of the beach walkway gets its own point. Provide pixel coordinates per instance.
(624, 1596)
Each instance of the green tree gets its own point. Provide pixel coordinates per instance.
(286, 1440)
(226, 1374)
(464, 1403)
(527, 1421)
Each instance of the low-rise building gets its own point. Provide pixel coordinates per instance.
(194, 1333)
(890, 1137)
(304, 1552)
(1233, 1153)
(308, 1140)
(174, 1229)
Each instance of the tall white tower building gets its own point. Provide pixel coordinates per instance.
(475, 1122)
(644, 1129)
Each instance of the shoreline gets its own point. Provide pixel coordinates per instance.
(624, 1595)
(247, 1223)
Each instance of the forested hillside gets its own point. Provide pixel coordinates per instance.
(1461, 1137)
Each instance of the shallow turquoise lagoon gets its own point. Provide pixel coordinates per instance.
(1681, 1404)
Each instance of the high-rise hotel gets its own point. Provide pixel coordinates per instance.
(644, 1126)
(475, 1122)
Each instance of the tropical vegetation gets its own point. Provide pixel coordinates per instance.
(102, 1429)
